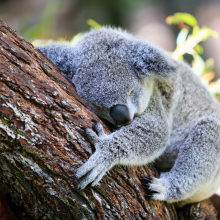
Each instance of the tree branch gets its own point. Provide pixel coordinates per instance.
(41, 145)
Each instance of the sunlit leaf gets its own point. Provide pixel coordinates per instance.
(214, 87)
(63, 40)
(198, 64)
(195, 30)
(206, 78)
(42, 42)
(209, 65)
(189, 44)
(207, 32)
(204, 81)
(182, 17)
(180, 57)
(75, 39)
(181, 38)
(93, 24)
(199, 49)
(217, 97)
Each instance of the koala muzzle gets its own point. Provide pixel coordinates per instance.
(120, 115)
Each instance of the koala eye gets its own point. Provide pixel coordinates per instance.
(131, 93)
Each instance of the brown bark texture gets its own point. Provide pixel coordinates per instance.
(41, 146)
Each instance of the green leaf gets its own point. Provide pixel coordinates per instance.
(181, 38)
(199, 49)
(214, 88)
(195, 30)
(182, 17)
(207, 32)
(75, 39)
(94, 24)
(198, 64)
(180, 57)
(218, 97)
(209, 65)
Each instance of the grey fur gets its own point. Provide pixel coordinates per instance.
(175, 120)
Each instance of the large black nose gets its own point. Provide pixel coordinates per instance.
(120, 114)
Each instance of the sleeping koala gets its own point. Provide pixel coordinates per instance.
(164, 114)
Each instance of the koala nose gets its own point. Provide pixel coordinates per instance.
(120, 115)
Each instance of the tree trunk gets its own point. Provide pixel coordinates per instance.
(41, 146)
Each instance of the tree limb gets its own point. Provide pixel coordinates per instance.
(41, 145)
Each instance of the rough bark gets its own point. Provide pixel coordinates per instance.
(197, 211)
(41, 146)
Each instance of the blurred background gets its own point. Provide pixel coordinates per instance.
(54, 19)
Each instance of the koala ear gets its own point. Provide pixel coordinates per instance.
(62, 55)
(150, 60)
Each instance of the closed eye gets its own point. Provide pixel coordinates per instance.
(131, 93)
(96, 106)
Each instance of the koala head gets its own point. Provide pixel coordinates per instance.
(113, 91)
(115, 73)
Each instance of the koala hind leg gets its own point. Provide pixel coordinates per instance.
(195, 175)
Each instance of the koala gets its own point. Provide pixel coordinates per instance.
(163, 113)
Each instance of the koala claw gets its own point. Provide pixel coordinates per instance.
(73, 177)
(89, 175)
(150, 195)
(98, 132)
(95, 168)
(76, 188)
(91, 134)
(94, 121)
(98, 128)
(148, 179)
(98, 164)
(155, 189)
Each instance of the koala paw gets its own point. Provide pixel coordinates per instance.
(97, 134)
(100, 162)
(155, 188)
(97, 127)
